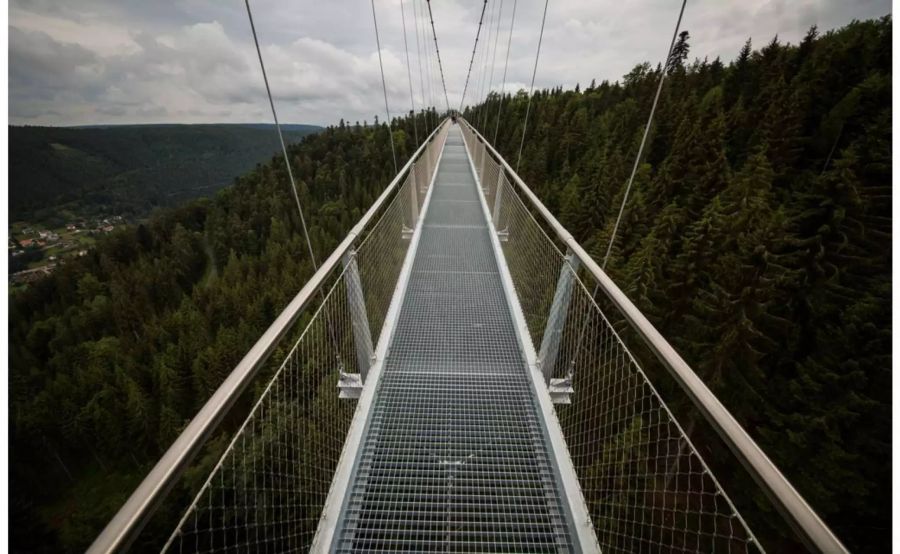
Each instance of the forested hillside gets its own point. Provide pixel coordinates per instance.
(128, 169)
(115, 352)
(757, 238)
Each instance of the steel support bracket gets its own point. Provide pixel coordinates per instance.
(483, 163)
(350, 386)
(498, 198)
(494, 193)
(362, 337)
(556, 321)
(561, 390)
(413, 196)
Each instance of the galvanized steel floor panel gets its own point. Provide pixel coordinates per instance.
(454, 457)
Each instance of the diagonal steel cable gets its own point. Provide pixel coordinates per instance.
(531, 91)
(512, 23)
(287, 161)
(432, 72)
(312, 256)
(429, 78)
(637, 159)
(486, 55)
(419, 61)
(437, 51)
(480, 73)
(472, 59)
(384, 87)
(486, 118)
(412, 97)
(578, 344)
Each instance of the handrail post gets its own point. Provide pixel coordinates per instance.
(362, 337)
(483, 165)
(482, 156)
(422, 170)
(556, 320)
(496, 188)
(498, 199)
(413, 196)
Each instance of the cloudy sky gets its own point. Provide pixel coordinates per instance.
(192, 61)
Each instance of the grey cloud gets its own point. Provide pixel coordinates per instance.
(115, 110)
(91, 61)
(38, 65)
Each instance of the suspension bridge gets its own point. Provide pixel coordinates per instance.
(459, 375)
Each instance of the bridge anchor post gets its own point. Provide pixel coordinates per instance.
(560, 388)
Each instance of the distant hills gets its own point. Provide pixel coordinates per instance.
(269, 126)
(58, 173)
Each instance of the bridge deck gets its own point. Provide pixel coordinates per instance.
(454, 457)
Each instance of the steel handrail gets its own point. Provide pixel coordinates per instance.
(128, 522)
(814, 533)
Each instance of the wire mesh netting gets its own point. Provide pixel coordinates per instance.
(645, 484)
(534, 261)
(383, 249)
(267, 491)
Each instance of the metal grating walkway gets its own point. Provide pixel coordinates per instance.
(454, 457)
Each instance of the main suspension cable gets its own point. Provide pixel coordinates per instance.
(637, 159)
(384, 87)
(287, 161)
(512, 23)
(531, 91)
(412, 98)
(437, 51)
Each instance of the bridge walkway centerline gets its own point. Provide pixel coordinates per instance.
(454, 456)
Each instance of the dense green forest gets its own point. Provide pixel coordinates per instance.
(115, 352)
(757, 238)
(128, 170)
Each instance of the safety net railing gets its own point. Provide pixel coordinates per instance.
(646, 485)
(267, 489)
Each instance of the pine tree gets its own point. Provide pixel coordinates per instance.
(679, 52)
(780, 129)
